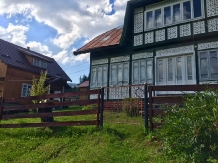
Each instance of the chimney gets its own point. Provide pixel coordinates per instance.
(28, 47)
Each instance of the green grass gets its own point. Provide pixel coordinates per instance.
(121, 143)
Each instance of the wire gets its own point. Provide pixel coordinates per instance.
(78, 71)
(76, 65)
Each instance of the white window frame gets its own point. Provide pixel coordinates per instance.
(94, 82)
(119, 83)
(208, 63)
(181, 14)
(184, 70)
(25, 89)
(39, 63)
(139, 74)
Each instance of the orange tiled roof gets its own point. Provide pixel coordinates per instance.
(108, 38)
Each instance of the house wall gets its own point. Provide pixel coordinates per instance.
(83, 97)
(3, 69)
(29, 58)
(14, 80)
(178, 41)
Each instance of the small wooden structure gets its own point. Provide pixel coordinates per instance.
(84, 86)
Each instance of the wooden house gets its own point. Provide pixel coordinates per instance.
(18, 66)
(162, 42)
(84, 86)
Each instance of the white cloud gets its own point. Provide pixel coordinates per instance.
(38, 47)
(71, 19)
(14, 34)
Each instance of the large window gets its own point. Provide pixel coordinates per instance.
(25, 90)
(208, 65)
(39, 63)
(175, 70)
(119, 74)
(173, 13)
(98, 76)
(142, 71)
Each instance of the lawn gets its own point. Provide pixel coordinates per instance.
(115, 142)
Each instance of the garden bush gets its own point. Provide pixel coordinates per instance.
(190, 132)
(129, 105)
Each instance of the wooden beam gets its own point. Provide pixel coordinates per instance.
(50, 124)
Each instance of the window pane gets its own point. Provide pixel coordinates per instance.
(186, 10)
(176, 13)
(113, 75)
(142, 72)
(99, 80)
(213, 64)
(126, 73)
(179, 68)
(170, 69)
(158, 18)
(135, 72)
(197, 8)
(93, 76)
(160, 70)
(149, 19)
(149, 71)
(167, 15)
(104, 76)
(120, 73)
(203, 65)
(189, 67)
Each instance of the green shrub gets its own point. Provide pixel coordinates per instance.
(191, 132)
(129, 105)
(89, 107)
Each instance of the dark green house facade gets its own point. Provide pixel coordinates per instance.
(168, 42)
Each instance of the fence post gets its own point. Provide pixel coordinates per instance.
(102, 107)
(146, 104)
(1, 107)
(150, 89)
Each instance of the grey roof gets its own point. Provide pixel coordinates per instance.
(14, 55)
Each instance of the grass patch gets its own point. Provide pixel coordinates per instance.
(113, 143)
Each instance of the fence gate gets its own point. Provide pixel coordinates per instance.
(11, 110)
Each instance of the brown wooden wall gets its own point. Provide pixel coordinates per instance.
(3, 69)
(14, 80)
(83, 97)
(29, 58)
(1, 89)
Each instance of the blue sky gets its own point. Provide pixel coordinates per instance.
(57, 28)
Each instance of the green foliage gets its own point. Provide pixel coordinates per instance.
(38, 86)
(190, 132)
(129, 105)
(89, 107)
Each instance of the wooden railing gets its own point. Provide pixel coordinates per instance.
(26, 103)
(157, 103)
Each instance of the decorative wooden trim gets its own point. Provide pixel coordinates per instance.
(120, 59)
(160, 35)
(172, 32)
(177, 50)
(199, 27)
(138, 40)
(208, 45)
(160, 4)
(185, 30)
(138, 23)
(213, 25)
(138, 10)
(149, 37)
(142, 55)
(100, 61)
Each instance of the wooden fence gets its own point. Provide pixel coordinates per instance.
(156, 103)
(25, 104)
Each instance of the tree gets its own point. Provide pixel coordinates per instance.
(38, 86)
(84, 78)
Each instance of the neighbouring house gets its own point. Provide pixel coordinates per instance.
(18, 66)
(84, 86)
(162, 42)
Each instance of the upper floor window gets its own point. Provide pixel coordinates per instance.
(39, 63)
(173, 13)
